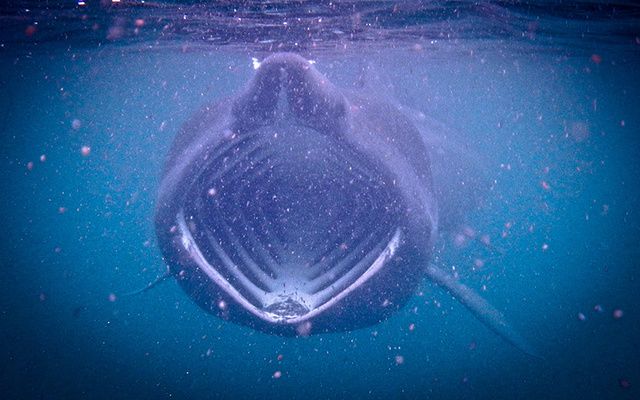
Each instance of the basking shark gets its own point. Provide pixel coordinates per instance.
(297, 207)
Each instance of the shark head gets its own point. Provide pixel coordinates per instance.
(296, 205)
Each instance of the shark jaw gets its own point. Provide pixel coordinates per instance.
(288, 221)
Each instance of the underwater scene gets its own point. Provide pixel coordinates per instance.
(319, 200)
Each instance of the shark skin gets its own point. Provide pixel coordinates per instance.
(296, 207)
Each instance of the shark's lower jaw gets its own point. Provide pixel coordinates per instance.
(287, 222)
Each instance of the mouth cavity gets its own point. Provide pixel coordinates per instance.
(287, 221)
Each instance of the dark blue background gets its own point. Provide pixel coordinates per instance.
(527, 116)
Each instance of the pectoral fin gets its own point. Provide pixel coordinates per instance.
(484, 311)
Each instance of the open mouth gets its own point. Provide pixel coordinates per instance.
(288, 221)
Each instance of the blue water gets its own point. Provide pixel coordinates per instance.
(554, 135)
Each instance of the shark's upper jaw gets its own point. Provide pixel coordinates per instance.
(287, 222)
